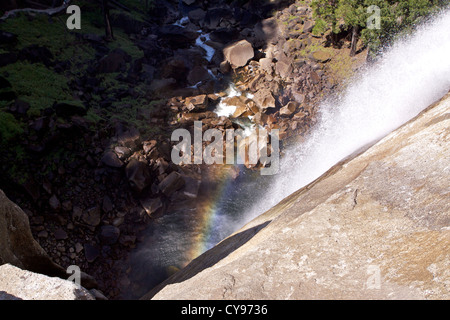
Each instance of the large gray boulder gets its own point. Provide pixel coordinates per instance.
(17, 245)
(375, 226)
(16, 284)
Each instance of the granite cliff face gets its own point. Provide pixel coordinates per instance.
(375, 226)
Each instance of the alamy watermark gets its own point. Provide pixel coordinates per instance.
(374, 21)
(75, 273)
(252, 147)
(374, 277)
(74, 20)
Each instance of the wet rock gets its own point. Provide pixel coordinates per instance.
(138, 175)
(239, 53)
(151, 205)
(109, 234)
(173, 182)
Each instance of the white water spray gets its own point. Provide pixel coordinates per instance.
(413, 74)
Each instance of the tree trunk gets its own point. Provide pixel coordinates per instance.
(355, 36)
(108, 30)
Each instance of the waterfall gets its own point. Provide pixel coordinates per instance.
(411, 75)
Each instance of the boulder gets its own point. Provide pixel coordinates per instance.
(264, 99)
(18, 284)
(199, 102)
(321, 56)
(173, 182)
(7, 58)
(266, 65)
(197, 15)
(115, 61)
(67, 110)
(374, 226)
(17, 245)
(289, 109)
(36, 54)
(138, 174)
(92, 216)
(198, 74)
(111, 159)
(7, 37)
(239, 53)
(151, 205)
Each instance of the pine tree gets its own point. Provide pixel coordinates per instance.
(395, 16)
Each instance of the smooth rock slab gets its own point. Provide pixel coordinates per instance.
(16, 284)
(374, 226)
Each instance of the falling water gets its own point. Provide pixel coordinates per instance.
(410, 76)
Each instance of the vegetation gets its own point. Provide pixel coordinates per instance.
(354, 16)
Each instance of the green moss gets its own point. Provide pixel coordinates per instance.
(39, 29)
(10, 128)
(37, 85)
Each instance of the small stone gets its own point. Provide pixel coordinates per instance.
(60, 234)
(54, 203)
(43, 234)
(78, 247)
(90, 252)
(92, 216)
(107, 204)
(109, 234)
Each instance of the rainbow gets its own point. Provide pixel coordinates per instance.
(208, 212)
